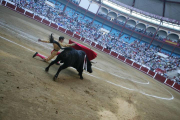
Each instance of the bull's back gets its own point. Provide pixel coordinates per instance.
(75, 58)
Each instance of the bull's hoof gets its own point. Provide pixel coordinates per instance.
(47, 69)
(81, 78)
(54, 78)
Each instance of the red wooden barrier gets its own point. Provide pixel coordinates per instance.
(176, 86)
(3, 3)
(144, 69)
(169, 82)
(10, 5)
(160, 78)
(77, 36)
(54, 25)
(129, 61)
(46, 22)
(82, 39)
(151, 73)
(121, 57)
(93, 44)
(88, 41)
(69, 32)
(62, 29)
(136, 65)
(29, 14)
(20, 10)
(114, 54)
(99, 47)
(37, 18)
(106, 50)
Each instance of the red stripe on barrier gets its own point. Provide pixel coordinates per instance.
(77, 36)
(144, 69)
(20, 10)
(129, 61)
(121, 57)
(99, 47)
(93, 44)
(54, 25)
(160, 78)
(3, 3)
(88, 41)
(10, 5)
(29, 14)
(62, 29)
(169, 82)
(176, 86)
(114, 54)
(69, 32)
(106, 50)
(136, 65)
(46, 22)
(82, 39)
(37, 18)
(151, 73)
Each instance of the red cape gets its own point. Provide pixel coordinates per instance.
(90, 53)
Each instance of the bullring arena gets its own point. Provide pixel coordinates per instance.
(114, 91)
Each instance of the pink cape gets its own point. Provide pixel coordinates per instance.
(90, 53)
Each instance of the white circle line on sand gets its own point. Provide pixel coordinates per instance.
(98, 77)
(122, 77)
(154, 96)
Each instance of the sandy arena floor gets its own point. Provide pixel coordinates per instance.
(114, 91)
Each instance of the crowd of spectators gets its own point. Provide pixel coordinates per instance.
(135, 51)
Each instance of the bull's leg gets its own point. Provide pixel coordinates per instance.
(53, 62)
(59, 70)
(80, 74)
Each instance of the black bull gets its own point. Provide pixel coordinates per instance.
(72, 58)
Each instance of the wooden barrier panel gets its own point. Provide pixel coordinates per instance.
(93, 44)
(29, 14)
(10, 5)
(62, 29)
(144, 69)
(88, 41)
(77, 36)
(136, 65)
(176, 86)
(3, 3)
(69, 32)
(160, 78)
(46, 22)
(106, 50)
(54, 25)
(82, 39)
(121, 57)
(37, 18)
(20, 10)
(99, 47)
(151, 73)
(114, 54)
(129, 61)
(169, 82)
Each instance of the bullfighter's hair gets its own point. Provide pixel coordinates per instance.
(51, 39)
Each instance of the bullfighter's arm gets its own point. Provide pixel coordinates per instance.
(67, 45)
(43, 41)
